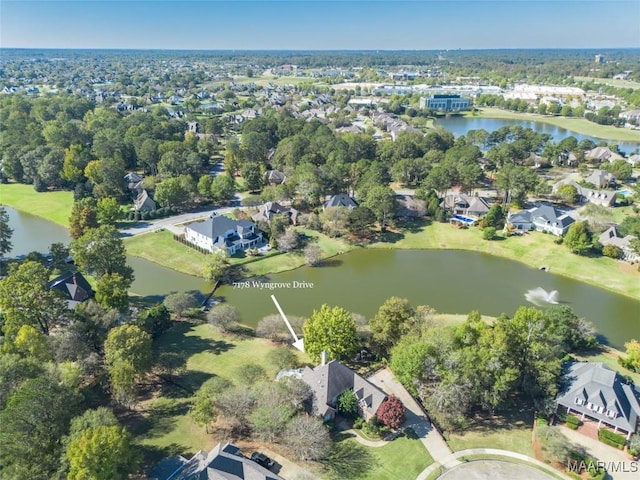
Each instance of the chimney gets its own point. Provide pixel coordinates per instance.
(323, 358)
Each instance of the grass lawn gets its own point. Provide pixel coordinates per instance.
(510, 430)
(401, 459)
(52, 206)
(578, 125)
(610, 81)
(163, 425)
(534, 249)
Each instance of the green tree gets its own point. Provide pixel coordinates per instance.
(495, 216)
(84, 216)
(253, 177)
(332, 330)
(25, 299)
(175, 191)
(381, 201)
(632, 356)
(203, 405)
(408, 358)
(108, 211)
(568, 193)
(348, 403)
(620, 169)
(101, 453)
(59, 253)
(180, 303)
(222, 188)
(30, 342)
(124, 387)
(5, 232)
(128, 343)
(393, 320)
(360, 222)
(282, 357)
(578, 238)
(101, 251)
(14, 370)
(216, 265)
(111, 292)
(36, 417)
(489, 233)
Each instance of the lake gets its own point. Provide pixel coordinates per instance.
(461, 125)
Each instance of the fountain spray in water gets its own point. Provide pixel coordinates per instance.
(539, 296)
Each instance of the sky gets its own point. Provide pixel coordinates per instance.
(319, 25)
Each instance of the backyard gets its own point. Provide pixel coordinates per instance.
(53, 206)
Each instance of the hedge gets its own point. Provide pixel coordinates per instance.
(612, 439)
(572, 421)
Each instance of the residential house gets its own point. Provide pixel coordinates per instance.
(606, 198)
(144, 203)
(467, 205)
(631, 116)
(408, 206)
(634, 160)
(567, 158)
(224, 462)
(602, 154)
(611, 236)
(74, 288)
(223, 232)
(600, 179)
(134, 182)
(269, 209)
(544, 218)
(596, 393)
(275, 177)
(330, 380)
(340, 200)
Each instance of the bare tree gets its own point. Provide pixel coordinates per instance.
(308, 438)
(273, 328)
(312, 254)
(223, 316)
(288, 241)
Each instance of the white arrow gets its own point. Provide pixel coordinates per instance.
(297, 342)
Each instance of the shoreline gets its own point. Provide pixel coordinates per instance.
(581, 126)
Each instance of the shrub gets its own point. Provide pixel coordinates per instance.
(489, 233)
(282, 357)
(612, 251)
(358, 423)
(372, 427)
(612, 439)
(391, 412)
(572, 421)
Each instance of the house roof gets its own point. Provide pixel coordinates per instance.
(329, 381)
(144, 202)
(73, 286)
(224, 462)
(599, 178)
(602, 153)
(269, 209)
(611, 236)
(597, 384)
(542, 214)
(217, 225)
(341, 200)
(461, 200)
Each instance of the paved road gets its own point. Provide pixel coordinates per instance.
(493, 470)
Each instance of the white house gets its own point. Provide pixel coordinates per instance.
(223, 232)
(544, 218)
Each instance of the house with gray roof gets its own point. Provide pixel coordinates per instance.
(267, 211)
(600, 179)
(220, 232)
(224, 462)
(467, 205)
(544, 218)
(595, 392)
(143, 202)
(606, 198)
(74, 288)
(330, 380)
(340, 200)
(602, 154)
(611, 236)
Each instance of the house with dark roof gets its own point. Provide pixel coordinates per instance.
(220, 232)
(269, 209)
(545, 218)
(606, 198)
(340, 200)
(275, 177)
(330, 380)
(74, 288)
(463, 204)
(611, 236)
(224, 462)
(143, 202)
(594, 392)
(407, 206)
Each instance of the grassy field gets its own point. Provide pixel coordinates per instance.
(164, 426)
(161, 248)
(578, 125)
(509, 431)
(534, 249)
(52, 206)
(401, 459)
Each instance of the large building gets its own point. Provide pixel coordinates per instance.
(445, 103)
(220, 232)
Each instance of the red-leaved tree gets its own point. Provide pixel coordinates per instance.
(391, 412)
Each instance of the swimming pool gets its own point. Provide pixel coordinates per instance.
(463, 219)
(625, 192)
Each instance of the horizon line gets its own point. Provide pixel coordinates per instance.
(318, 49)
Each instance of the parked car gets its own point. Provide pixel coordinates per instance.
(262, 459)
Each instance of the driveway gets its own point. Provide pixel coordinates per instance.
(416, 417)
(616, 461)
(493, 470)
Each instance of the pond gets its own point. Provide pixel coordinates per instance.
(450, 281)
(33, 234)
(461, 125)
